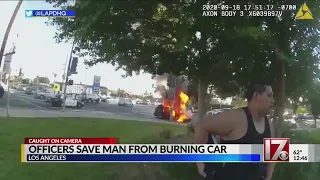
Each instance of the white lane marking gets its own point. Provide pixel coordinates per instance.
(79, 110)
(30, 98)
(26, 97)
(31, 104)
(101, 112)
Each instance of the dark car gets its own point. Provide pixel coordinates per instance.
(48, 99)
(305, 116)
(56, 101)
(161, 113)
(29, 91)
(37, 95)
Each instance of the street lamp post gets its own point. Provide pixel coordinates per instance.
(67, 78)
(68, 73)
(8, 94)
(5, 38)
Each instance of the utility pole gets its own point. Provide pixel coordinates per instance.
(5, 38)
(68, 73)
(67, 77)
(65, 69)
(8, 94)
(7, 70)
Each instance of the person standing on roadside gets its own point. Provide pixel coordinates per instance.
(248, 125)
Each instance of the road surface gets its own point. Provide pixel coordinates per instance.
(19, 100)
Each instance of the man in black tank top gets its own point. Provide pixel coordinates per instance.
(247, 125)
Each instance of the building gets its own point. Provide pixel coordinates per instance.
(78, 88)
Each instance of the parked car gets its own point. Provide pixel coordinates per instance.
(105, 98)
(125, 102)
(29, 91)
(37, 94)
(114, 100)
(305, 116)
(88, 98)
(48, 99)
(214, 112)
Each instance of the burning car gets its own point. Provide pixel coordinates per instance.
(176, 107)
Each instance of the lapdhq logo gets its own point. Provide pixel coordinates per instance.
(29, 13)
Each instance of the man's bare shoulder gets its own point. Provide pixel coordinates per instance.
(231, 115)
(233, 112)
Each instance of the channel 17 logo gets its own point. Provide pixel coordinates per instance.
(276, 149)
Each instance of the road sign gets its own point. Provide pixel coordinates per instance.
(7, 63)
(304, 12)
(96, 84)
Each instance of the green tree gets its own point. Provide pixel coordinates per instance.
(192, 89)
(301, 110)
(176, 39)
(282, 52)
(104, 91)
(40, 79)
(17, 79)
(314, 100)
(238, 102)
(121, 92)
(153, 37)
(26, 81)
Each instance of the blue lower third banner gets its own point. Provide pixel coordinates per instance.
(143, 158)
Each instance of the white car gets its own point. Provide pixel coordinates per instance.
(125, 102)
(214, 112)
(90, 98)
(57, 101)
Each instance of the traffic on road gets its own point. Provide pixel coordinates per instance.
(25, 100)
(35, 99)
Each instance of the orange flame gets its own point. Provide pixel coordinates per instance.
(183, 106)
(179, 106)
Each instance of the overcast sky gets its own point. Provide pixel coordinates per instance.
(38, 54)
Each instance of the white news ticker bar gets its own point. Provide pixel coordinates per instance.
(299, 153)
(139, 149)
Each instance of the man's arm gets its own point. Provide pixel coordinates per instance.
(270, 166)
(221, 124)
